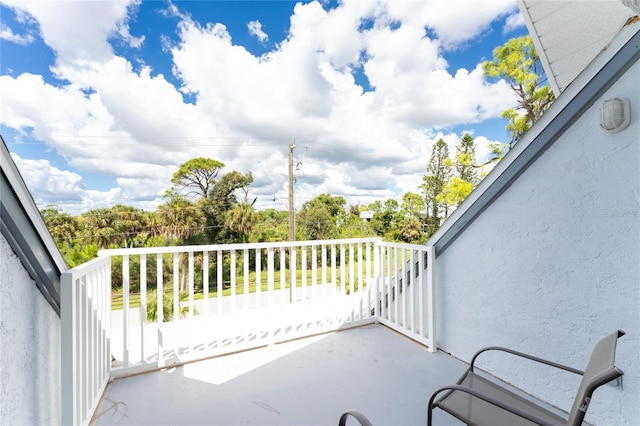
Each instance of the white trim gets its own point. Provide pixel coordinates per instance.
(542, 54)
(25, 230)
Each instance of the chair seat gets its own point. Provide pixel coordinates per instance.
(474, 411)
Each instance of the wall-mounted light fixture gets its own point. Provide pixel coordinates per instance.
(615, 115)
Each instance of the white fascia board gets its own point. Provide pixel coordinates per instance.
(542, 54)
(23, 227)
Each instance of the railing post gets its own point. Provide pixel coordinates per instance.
(431, 261)
(323, 263)
(270, 296)
(303, 270)
(343, 274)
(403, 283)
(245, 306)
(191, 308)
(176, 283)
(258, 278)
(205, 282)
(352, 278)
(377, 274)
(191, 283)
(314, 270)
(293, 267)
(219, 286)
(283, 274)
(334, 272)
(143, 302)
(361, 284)
(125, 310)
(246, 281)
(232, 284)
(367, 277)
(160, 308)
(69, 361)
(413, 273)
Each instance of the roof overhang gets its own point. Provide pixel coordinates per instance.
(24, 229)
(569, 34)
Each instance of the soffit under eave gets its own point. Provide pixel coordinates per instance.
(568, 35)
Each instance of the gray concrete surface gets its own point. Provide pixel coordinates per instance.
(305, 382)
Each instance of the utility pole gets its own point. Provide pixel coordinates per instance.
(292, 207)
(292, 223)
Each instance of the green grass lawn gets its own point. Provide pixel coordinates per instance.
(117, 297)
(134, 296)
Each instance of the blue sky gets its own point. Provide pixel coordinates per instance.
(100, 102)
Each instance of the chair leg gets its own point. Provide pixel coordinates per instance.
(361, 418)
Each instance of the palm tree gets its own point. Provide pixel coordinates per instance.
(62, 226)
(100, 227)
(180, 218)
(154, 226)
(129, 222)
(241, 219)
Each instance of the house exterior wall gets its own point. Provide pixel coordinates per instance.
(553, 265)
(29, 348)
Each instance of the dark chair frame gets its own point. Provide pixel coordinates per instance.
(600, 370)
(594, 376)
(361, 418)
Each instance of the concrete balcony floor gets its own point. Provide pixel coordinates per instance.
(304, 382)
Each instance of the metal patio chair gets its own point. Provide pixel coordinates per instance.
(476, 400)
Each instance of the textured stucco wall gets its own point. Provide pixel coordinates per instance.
(29, 348)
(554, 264)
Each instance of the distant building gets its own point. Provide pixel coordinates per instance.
(366, 216)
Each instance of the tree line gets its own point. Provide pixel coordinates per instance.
(205, 206)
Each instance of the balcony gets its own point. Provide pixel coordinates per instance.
(252, 313)
(308, 381)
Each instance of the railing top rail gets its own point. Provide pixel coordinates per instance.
(226, 247)
(404, 245)
(87, 265)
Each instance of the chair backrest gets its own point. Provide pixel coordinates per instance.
(600, 370)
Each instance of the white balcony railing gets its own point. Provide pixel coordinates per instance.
(85, 354)
(236, 297)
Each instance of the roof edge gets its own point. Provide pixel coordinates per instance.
(542, 54)
(591, 84)
(25, 231)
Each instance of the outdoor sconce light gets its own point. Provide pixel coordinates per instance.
(615, 115)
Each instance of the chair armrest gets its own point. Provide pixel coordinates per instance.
(364, 421)
(527, 356)
(492, 401)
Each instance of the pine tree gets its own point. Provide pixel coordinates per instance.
(438, 173)
(518, 63)
(466, 158)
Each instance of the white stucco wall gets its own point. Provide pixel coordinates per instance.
(554, 264)
(29, 348)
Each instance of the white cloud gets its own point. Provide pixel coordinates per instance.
(135, 127)
(7, 34)
(255, 28)
(79, 30)
(456, 22)
(50, 185)
(513, 22)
